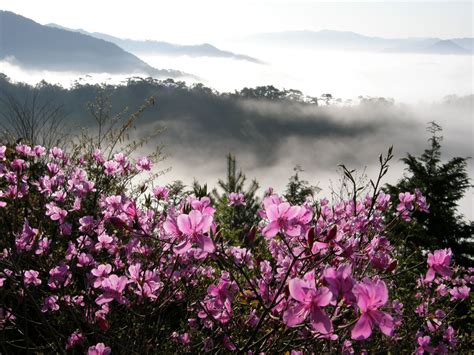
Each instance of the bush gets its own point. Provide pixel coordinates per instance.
(92, 264)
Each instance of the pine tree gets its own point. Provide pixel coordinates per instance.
(298, 190)
(443, 184)
(237, 218)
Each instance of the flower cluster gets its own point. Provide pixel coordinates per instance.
(86, 265)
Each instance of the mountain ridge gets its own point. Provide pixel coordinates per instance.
(34, 46)
(348, 40)
(162, 47)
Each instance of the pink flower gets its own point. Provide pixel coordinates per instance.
(65, 228)
(56, 153)
(282, 217)
(383, 201)
(43, 246)
(340, 282)
(100, 272)
(39, 150)
(87, 224)
(450, 336)
(31, 278)
(406, 201)
(18, 165)
(236, 199)
(406, 205)
(3, 149)
(309, 301)
(218, 302)
(424, 345)
(421, 201)
(221, 292)
(228, 344)
(50, 304)
(161, 193)
(27, 238)
(459, 293)
(182, 338)
(104, 241)
(144, 163)
(111, 167)
(59, 276)
(55, 213)
(53, 168)
(97, 156)
(371, 295)
(120, 158)
(23, 149)
(202, 205)
(99, 349)
(195, 225)
(242, 256)
(75, 339)
(84, 259)
(439, 263)
(113, 287)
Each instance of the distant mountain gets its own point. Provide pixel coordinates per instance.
(429, 46)
(446, 47)
(343, 40)
(164, 48)
(467, 43)
(35, 46)
(321, 39)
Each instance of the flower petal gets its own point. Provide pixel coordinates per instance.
(182, 247)
(205, 243)
(195, 218)
(298, 289)
(184, 224)
(384, 321)
(272, 212)
(295, 315)
(363, 328)
(320, 321)
(430, 275)
(271, 229)
(323, 297)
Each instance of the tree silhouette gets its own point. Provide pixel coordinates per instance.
(298, 190)
(240, 219)
(443, 184)
(32, 118)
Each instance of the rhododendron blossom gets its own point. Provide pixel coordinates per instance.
(439, 264)
(99, 349)
(144, 163)
(459, 293)
(236, 199)
(340, 282)
(31, 278)
(196, 226)
(284, 218)
(309, 301)
(371, 295)
(113, 287)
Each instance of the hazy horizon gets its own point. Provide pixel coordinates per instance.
(217, 21)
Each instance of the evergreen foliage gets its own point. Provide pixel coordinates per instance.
(443, 184)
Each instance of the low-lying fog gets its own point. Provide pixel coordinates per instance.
(271, 163)
(405, 77)
(417, 83)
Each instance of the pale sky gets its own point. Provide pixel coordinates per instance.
(193, 21)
